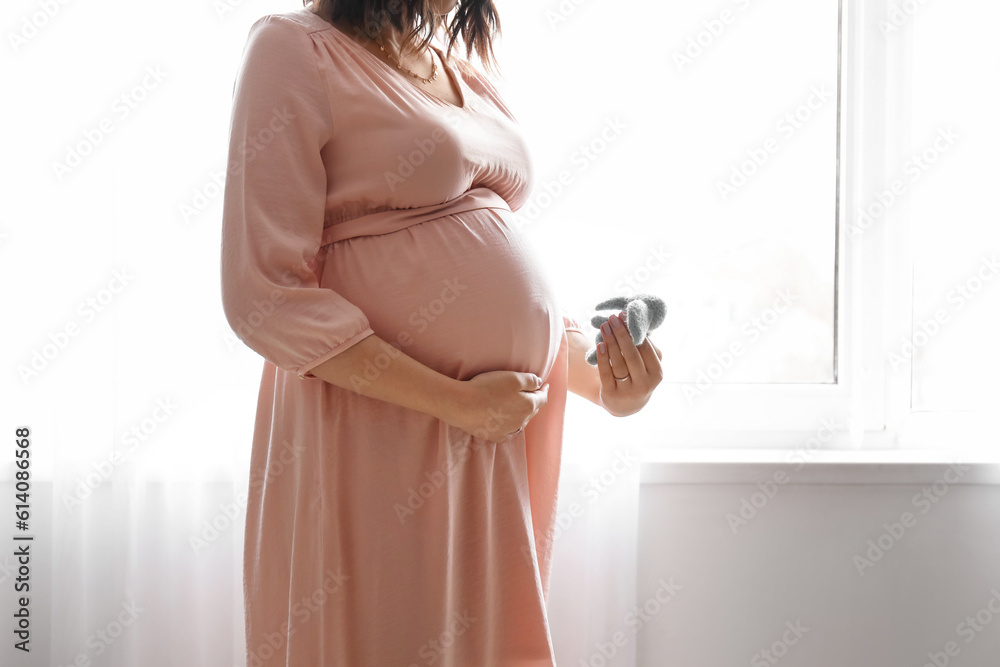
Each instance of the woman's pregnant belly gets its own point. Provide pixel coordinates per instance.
(462, 294)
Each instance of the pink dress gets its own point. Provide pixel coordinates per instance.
(358, 203)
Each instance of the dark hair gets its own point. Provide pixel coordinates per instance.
(476, 21)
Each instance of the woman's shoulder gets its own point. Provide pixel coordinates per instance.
(304, 18)
(278, 49)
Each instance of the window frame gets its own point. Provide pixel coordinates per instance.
(874, 281)
(870, 406)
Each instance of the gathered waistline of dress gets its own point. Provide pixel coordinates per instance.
(395, 219)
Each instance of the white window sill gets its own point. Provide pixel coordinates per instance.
(784, 466)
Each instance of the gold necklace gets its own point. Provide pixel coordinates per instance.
(400, 67)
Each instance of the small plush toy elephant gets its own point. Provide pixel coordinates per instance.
(643, 313)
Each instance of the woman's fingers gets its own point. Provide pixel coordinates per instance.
(651, 357)
(618, 365)
(604, 365)
(624, 354)
(539, 398)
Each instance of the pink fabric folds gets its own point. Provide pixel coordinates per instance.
(376, 535)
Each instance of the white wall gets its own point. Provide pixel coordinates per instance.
(794, 562)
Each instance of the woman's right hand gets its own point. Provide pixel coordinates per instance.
(494, 405)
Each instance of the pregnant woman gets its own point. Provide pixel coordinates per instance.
(409, 422)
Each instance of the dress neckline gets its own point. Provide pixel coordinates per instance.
(448, 70)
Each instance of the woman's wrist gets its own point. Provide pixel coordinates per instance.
(448, 398)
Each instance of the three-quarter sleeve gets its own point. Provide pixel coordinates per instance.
(274, 204)
(570, 323)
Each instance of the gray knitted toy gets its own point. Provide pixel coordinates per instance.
(643, 313)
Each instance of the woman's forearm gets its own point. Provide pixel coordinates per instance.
(583, 379)
(374, 368)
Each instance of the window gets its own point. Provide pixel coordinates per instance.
(942, 360)
(738, 160)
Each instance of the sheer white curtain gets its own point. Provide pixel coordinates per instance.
(138, 399)
(592, 600)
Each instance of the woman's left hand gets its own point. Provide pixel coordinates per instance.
(620, 358)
